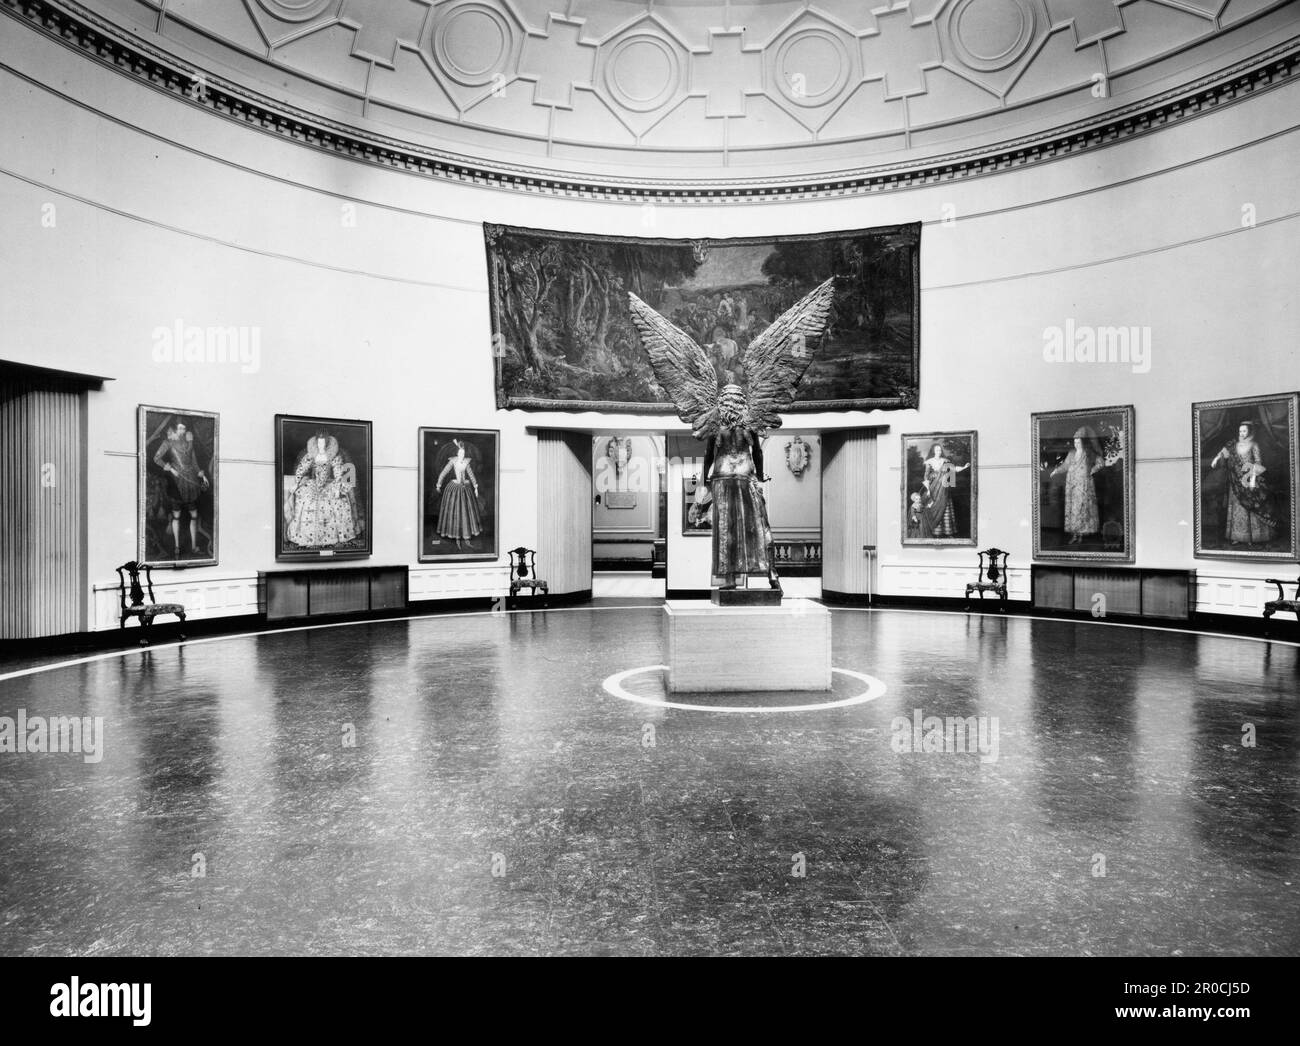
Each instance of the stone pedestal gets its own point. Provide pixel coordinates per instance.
(746, 597)
(716, 648)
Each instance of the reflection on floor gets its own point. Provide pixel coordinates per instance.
(498, 801)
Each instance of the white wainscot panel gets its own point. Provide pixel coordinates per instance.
(1218, 593)
(944, 582)
(461, 581)
(801, 587)
(202, 597)
(627, 585)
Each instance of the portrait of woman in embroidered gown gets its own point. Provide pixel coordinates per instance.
(1245, 477)
(322, 509)
(939, 488)
(324, 487)
(1083, 496)
(458, 494)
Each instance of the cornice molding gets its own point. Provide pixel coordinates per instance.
(110, 46)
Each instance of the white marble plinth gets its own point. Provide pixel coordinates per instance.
(713, 648)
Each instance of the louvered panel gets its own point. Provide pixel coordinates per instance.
(388, 589)
(564, 511)
(340, 593)
(848, 510)
(1053, 588)
(1167, 595)
(43, 587)
(1122, 591)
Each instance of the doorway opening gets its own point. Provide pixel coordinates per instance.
(629, 514)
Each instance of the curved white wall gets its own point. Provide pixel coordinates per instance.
(164, 212)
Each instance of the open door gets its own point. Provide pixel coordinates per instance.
(564, 499)
(848, 514)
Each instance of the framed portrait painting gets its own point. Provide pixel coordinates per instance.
(939, 488)
(176, 522)
(697, 507)
(322, 488)
(1244, 477)
(459, 494)
(1083, 487)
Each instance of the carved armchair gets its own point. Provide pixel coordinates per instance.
(131, 595)
(523, 573)
(992, 578)
(1281, 603)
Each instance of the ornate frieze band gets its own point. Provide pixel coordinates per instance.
(107, 44)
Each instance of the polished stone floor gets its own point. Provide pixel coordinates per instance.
(498, 800)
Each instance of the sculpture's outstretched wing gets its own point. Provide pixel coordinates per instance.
(681, 367)
(775, 361)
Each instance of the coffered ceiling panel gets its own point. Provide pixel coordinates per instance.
(599, 85)
(1061, 58)
(1238, 10)
(867, 113)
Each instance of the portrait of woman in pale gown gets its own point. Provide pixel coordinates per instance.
(1084, 492)
(458, 513)
(322, 507)
(1247, 458)
(458, 494)
(1084, 461)
(1251, 518)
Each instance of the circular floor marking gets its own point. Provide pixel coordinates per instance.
(614, 687)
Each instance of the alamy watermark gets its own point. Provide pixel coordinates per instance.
(92, 999)
(80, 735)
(1080, 343)
(946, 735)
(188, 343)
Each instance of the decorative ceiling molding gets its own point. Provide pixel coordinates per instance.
(989, 35)
(491, 42)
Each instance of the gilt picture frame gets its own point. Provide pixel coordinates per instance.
(178, 504)
(459, 494)
(940, 488)
(1083, 489)
(1246, 458)
(323, 488)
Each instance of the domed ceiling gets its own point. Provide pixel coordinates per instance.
(683, 90)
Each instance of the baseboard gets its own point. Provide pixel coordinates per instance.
(170, 630)
(562, 599)
(945, 602)
(833, 598)
(1281, 629)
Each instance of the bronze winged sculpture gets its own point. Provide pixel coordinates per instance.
(733, 419)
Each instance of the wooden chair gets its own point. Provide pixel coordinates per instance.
(137, 607)
(992, 578)
(1281, 603)
(523, 573)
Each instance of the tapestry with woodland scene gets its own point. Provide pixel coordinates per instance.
(562, 338)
